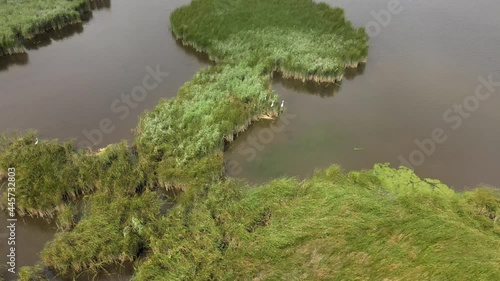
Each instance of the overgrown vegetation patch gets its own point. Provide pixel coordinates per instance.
(332, 226)
(23, 19)
(299, 38)
(185, 136)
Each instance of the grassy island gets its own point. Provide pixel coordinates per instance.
(21, 20)
(298, 38)
(380, 224)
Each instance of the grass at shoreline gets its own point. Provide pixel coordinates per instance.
(370, 225)
(367, 225)
(185, 136)
(23, 19)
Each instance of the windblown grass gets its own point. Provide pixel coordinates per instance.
(46, 173)
(300, 38)
(23, 19)
(50, 175)
(381, 224)
(112, 231)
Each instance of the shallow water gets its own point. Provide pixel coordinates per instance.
(425, 60)
(31, 236)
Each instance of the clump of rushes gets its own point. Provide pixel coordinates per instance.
(32, 273)
(113, 171)
(181, 141)
(46, 172)
(22, 20)
(299, 38)
(108, 226)
(371, 225)
(112, 231)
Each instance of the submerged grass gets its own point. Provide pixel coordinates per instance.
(23, 19)
(381, 224)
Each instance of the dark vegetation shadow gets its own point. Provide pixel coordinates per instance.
(111, 272)
(351, 73)
(190, 51)
(321, 89)
(15, 59)
(100, 4)
(47, 38)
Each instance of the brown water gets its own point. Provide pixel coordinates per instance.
(78, 80)
(31, 235)
(425, 60)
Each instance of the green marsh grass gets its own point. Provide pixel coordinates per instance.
(182, 139)
(111, 231)
(24, 19)
(380, 224)
(367, 225)
(46, 173)
(32, 273)
(299, 38)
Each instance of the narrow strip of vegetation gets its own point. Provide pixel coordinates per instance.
(181, 141)
(24, 19)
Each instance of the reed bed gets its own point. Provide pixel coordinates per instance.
(22, 20)
(185, 136)
(112, 231)
(300, 38)
(53, 175)
(370, 225)
(375, 224)
(47, 173)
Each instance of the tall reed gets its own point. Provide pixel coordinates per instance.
(379, 223)
(22, 20)
(300, 38)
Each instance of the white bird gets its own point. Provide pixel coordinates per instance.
(272, 104)
(282, 103)
(36, 141)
